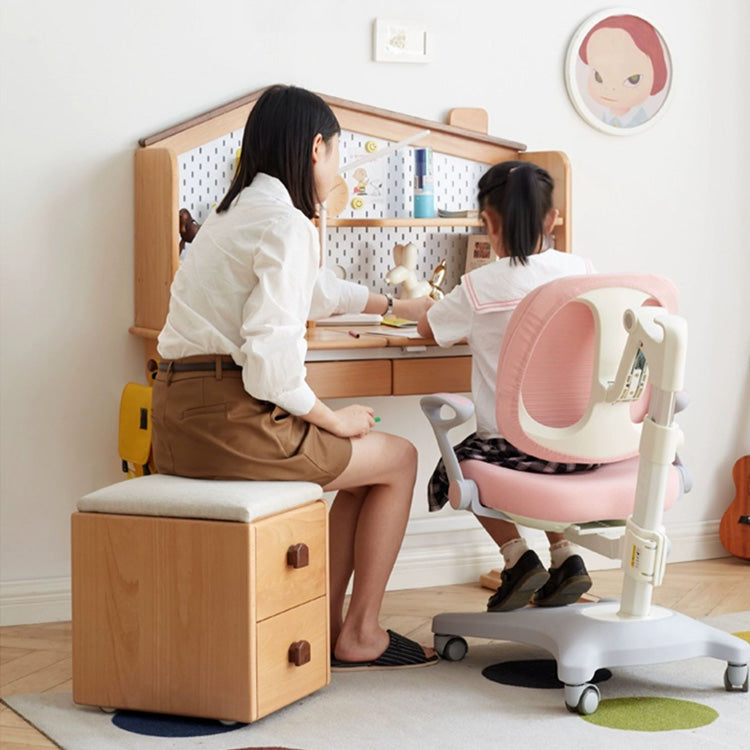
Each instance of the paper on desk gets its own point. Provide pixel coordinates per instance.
(351, 319)
(392, 332)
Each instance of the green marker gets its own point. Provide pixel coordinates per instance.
(377, 419)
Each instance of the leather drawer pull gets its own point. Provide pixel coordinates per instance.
(299, 653)
(298, 556)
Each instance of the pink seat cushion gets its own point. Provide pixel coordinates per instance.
(606, 493)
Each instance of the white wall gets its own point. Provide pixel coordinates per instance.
(81, 81)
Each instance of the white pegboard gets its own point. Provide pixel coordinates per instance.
(363, 254)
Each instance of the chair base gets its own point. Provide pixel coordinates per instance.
(585, 637)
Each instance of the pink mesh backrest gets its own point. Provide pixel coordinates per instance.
(565, 345)
(563, 339)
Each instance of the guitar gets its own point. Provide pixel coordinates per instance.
(734, 529)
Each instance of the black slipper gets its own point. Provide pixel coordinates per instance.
(402, 653)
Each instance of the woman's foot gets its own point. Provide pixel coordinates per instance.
(400, 653)
(367, 648)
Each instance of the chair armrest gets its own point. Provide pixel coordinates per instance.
(462, 492)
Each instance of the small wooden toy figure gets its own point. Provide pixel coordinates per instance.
(404, 272)
(188, 228)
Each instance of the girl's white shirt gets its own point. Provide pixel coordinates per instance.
(479, 309)
(247, 287)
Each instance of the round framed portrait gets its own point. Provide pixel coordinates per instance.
(618, 71)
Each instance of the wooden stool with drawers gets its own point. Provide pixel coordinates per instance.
(200, 598)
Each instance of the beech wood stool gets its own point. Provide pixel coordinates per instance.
(200, 598)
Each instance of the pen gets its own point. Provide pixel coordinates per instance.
(355, 334)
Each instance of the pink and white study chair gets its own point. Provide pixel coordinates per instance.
(582, 359)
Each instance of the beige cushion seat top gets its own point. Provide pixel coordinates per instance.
(179, 497)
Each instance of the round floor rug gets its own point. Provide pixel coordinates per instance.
(164, 725)
(651, 714)
(532, 673)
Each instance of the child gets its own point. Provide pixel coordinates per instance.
(515, 203)
(230, 399)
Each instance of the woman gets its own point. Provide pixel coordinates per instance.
(230, 400)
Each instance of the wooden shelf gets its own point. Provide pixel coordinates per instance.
(404, 221)
(408, 221)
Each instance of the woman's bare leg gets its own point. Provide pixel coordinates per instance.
(379, 482)
(342, 521)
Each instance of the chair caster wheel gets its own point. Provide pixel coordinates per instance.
(736, 678)
(455, 649)
(582, 699)
(450, 647)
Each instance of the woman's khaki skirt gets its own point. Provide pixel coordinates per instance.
(205, 425)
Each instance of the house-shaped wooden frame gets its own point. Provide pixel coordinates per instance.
(157, 207)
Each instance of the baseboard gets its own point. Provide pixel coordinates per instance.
(468, 553)
(438, 551)
(40, 600)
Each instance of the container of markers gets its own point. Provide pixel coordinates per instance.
(424, 197)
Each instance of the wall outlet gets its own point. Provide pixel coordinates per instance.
(399, 41)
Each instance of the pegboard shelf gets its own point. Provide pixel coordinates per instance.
(407, 221)
(404, 221)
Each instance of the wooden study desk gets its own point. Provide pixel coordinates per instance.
(190, 164)
(340, 365)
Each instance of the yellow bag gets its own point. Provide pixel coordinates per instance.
(134, 442)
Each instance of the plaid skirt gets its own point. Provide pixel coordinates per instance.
(499, 452)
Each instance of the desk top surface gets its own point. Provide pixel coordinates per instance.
(368, 337)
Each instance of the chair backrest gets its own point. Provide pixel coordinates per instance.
(561, 351)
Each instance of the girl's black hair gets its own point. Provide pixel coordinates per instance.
(278, 141)
(521, 192)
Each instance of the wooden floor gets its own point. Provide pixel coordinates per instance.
(37, 658)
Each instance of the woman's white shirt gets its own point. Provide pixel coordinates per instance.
(479, 309)
(246, 288)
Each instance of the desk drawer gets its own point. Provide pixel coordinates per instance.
(278, 584)
(418, 376)
(280, 682)
(350, 379)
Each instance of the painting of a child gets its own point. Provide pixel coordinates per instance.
(621, 73)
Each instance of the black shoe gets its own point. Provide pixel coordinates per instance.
(518, 583)
(565, 585)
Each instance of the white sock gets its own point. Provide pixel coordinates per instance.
(513, 550)
(559, 552)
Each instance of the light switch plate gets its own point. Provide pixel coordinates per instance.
(400, 41)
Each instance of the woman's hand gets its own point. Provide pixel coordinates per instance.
(412, 309)
(353, 421)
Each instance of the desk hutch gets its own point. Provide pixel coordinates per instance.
(192, 163)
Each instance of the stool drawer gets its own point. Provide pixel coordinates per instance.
(280, 681)
(291, 562)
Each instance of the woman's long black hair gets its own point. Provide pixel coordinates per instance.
(278, 141)
(521, 193)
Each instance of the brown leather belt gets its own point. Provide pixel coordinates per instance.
(198, 364)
